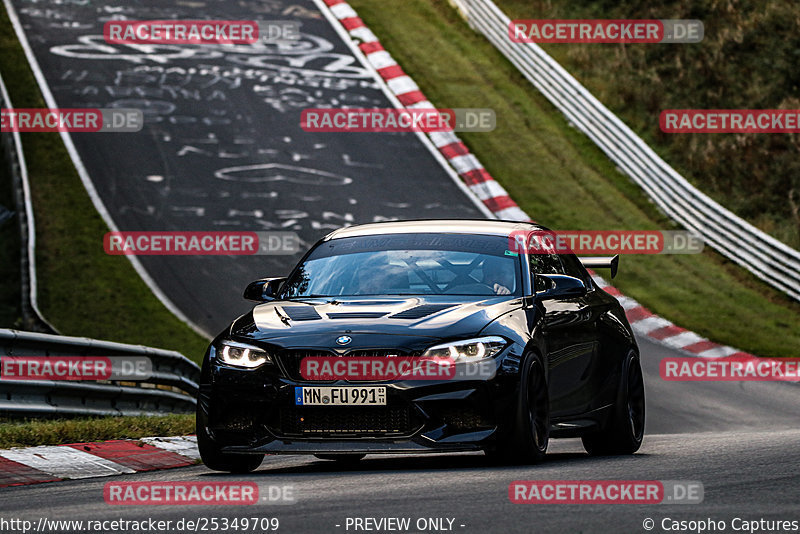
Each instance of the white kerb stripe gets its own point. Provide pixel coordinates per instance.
(364, 34)
(185, 446)
(65, 462)
(627, 302)
(512, 214)
(422, 104)
(645, 326)
(718, 352)
(343, 11)
(381, 59)
(684, 339)
(490, 189)
(440, 139)
(466, 163)
(402, 85)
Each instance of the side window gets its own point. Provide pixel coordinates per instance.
(574, 267)
(544, 264)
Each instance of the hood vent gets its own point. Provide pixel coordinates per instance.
(355, 315)
(421, 311)
(301, 313)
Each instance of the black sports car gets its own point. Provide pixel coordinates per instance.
(562, 358)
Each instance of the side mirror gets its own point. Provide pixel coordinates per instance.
(263, 290)
(558, 286)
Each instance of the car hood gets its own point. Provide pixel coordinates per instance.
(408, 322)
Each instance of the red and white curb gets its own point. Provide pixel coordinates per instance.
(50, 463)
(490, 192)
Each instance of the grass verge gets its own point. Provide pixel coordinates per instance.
(82, 291)
(747, 60)
(561, 179)
(28, 433)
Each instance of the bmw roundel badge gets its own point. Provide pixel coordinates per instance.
(343, 340)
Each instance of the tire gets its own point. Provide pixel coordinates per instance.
(625, 428)
(527, 443)
(218, 461)
(343, 458)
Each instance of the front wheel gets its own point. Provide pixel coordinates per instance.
(219, 461)
(625, 428)
(528, 442)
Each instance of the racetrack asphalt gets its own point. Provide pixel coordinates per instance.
(237, 114)
(222, 148)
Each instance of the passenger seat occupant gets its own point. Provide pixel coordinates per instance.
(498, 273)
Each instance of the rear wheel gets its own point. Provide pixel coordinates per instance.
(343, 458)
(531, 434)
(219, 461)
(625, 428)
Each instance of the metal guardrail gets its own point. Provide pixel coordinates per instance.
(14, 157)
(171, 387)
(766, 257)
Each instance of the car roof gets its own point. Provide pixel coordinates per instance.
(436, 226)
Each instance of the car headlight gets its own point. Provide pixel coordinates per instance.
(242, 355)
(469, 350)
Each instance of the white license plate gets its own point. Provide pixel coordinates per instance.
(340, 396)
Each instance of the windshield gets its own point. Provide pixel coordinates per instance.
(408, 264)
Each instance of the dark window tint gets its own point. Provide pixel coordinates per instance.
(574, 267)
(544, 264)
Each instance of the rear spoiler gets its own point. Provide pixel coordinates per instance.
(604, 262)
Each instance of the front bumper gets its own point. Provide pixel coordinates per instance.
(246, 411)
